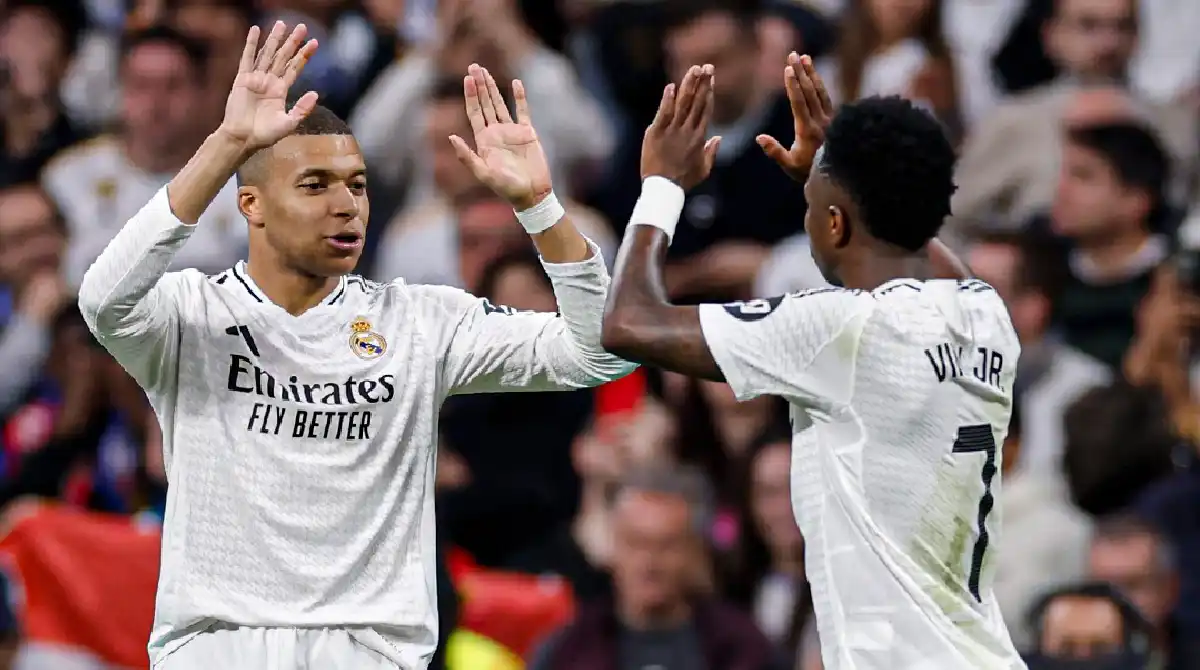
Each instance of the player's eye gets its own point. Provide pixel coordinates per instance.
(312, 185)
(358, 186)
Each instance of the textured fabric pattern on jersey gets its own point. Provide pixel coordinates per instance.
(890, 507)
(299, 449)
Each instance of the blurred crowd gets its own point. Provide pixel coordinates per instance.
(647, 524)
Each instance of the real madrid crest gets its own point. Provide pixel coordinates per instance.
(364, 342)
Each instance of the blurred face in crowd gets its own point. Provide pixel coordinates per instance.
(311, 205)
(444, 118)
(997, 264)
(771, 500)
(1078, 627)
(1091, 202)
(653, 551)
(487, 230)
(731, 47)
(1092, 39)
(33, 57)
(223, 29)
(897, 19)
(31, 238)
(523, 287)
(160, 93)
(1135, 566)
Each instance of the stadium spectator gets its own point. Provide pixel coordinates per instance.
(1136, 559)
(1011, 160)
(653, 620)
(770, 580)
(1090, 626)
(387, 121)
(1118, 440)
(894, 48)
(418, 243)
(37, 42)
(747, 203)
(221, 26)
(100, 183)
(1111, 206)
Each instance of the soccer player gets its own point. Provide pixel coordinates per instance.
(900, 389)
(299, 402)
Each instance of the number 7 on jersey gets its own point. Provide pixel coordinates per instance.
(970, 440)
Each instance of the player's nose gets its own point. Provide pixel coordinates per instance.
(343, 204)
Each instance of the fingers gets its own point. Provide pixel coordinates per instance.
(474, 110)
(701, 110)
(687, 92)
(710, 153)
(772, 148)
(246, 64)
(819, 85)
(498, 102)
(521, 103)
(303, 107)
(467, 157)
(666, 108)
(291, 46)
(267, 54)
(800, 116)
(487, 106)
(296, 65)
(812, 99)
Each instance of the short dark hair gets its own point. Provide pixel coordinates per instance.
(1040, 266)
(1134, 153)
(525, 257)
(69, 15)
(1117, 440)
(679, 13)
(897, 164)
(195, 51)
(321, 121)
(1135, 629)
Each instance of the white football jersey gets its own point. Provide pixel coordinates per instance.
(900, 401)
(300, 449)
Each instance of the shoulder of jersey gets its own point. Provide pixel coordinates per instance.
(79, 159)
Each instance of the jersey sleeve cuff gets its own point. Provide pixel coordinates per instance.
(588, 267)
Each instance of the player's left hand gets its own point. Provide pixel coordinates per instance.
(508, 157)
(674, 145)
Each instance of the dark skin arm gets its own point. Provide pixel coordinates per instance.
(640, 323)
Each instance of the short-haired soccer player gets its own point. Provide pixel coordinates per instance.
(299, 402)
(900, 388)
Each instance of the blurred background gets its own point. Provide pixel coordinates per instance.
(646, 524)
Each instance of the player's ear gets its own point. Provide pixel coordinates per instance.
(839, 227)
(250, 204)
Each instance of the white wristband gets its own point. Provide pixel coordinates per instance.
(660, 205)
(541, 216)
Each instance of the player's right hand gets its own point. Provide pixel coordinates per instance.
(812, 111)
(256, 114)
(675, 144)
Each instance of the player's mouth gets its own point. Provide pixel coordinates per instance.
(345, 241)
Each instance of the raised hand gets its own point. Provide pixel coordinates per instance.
(675, 144)
(256, 114)
(812, 111)
(508, 156)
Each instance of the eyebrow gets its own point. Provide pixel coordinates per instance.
(326, 172)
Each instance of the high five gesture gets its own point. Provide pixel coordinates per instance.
(256, 113)
(812, 111)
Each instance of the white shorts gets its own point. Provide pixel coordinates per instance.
(243, 648)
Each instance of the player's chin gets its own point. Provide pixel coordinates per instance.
(333, 261)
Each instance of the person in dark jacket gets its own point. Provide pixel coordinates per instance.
(656, 619)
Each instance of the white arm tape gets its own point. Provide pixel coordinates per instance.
(540, 217)
(660, 205)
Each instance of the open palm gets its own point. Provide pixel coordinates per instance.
(256, 113)
(508, 157)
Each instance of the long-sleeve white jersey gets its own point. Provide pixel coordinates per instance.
(900, 401)
(300, 449)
